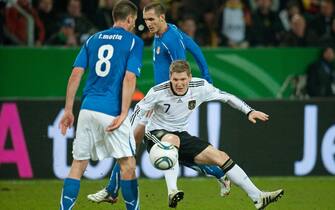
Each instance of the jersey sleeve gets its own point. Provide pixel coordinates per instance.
(134, 63)
(211, 93)
(81, 60)
(195, 50)
(143, 107)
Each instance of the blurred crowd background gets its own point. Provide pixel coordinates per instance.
(212, 23)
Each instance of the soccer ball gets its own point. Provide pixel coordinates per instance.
(163, 155)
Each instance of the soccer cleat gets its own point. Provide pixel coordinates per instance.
(102, 196)
(175, 197)
(268, 197)
(224, 186)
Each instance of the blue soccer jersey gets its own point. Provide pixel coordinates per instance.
(108, 55)
(172, 45)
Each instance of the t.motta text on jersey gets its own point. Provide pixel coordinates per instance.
(108, 36)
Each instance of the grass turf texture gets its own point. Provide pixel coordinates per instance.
(307, 193)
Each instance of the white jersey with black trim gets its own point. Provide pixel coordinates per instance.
(172, 112)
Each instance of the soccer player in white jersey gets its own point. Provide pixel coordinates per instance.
(170, 44)
(113, 58)
(173, 102)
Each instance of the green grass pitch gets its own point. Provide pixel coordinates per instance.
(301, 193)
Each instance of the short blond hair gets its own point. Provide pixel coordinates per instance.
(179, 66)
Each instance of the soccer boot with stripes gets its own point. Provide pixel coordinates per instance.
(225, 184)
(102, 196)
(268, 197)
(175, 197)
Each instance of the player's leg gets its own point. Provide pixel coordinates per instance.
(114, 182)
(171, 176)
(121, 143)
(111, 191)
(129, 183)
(211, 170)
(210, 155)
(215, 171)
(81, 155)
(213, 156)
(72, 184)
(192, 146)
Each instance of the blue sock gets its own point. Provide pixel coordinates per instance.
(114, 181)
(130, 194)
(206, 169)
(69, 194)
(212, 170)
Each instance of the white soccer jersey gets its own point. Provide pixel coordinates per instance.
(172, 112)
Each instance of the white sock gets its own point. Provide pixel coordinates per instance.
(171, 177)
(240, 178)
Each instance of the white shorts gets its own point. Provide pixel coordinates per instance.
(93, 142)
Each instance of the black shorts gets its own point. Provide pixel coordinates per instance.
(190, 146)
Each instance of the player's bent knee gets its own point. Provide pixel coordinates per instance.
(224, 156)
(204, 157)
(211, 155)
(217, 156)
(173, 139)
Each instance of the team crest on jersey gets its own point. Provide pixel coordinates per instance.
(191, 104)
(158, 50)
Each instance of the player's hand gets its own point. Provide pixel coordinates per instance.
(254, 115)
(116, 123)
(66, 122)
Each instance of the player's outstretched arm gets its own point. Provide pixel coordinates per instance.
(72, 87)
(257, 115)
